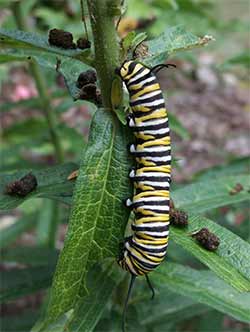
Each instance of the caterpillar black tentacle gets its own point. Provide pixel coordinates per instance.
(146, 248)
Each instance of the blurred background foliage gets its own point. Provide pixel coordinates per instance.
(208, 97)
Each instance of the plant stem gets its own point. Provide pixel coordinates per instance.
(42, 89)
(106, 45)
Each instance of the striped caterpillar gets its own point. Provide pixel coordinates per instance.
(146, 248)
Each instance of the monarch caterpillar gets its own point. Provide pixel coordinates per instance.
(146, 248)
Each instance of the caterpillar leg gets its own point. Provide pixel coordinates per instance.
(150, 286)
(132, 280)
(130, 120)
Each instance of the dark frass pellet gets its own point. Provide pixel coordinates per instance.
(22, 187)
(88, 92)
(83, 43)
(86, 77)
(61, 38)
(178, 218)
(236, 189)
(207, 239)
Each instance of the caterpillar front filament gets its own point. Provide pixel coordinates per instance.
(146, 248)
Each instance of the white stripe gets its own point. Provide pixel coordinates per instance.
(152, 122)
(165, 233)
(154, 103)
(131, 80)
(152, 224)
(150, 174)
(151, 198)
(158, 184)
(152, 247)
(156, 148)
(147, 80)
(154, 207)
(167, 158)
(155, 132)
(147, 95)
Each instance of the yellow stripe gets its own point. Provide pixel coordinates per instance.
(161, 141)
(150, 88)
(143, 136)
(160, 193)
(154, 242)
(161, 113)
(144, 162)
(165, 169)
(162, 218)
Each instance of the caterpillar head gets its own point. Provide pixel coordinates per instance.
(126, 69)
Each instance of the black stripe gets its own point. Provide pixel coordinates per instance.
(147, 100)
(156, 250)
(150, 228)
(137, 73)
(151, 178)
(145, 85)
(131, 67)
(145, 203)
(144, 265)
(152, 154)
(151, 127)
(147, 75)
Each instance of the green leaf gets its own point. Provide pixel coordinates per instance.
(206, 195)
(98, 217)
(204, 287)
(20, 45)
(52, 183)
(32, 256)
(230, 261)
(173, 40)
(19, 282)
(11, 233)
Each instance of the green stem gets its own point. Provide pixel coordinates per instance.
(42, 89)
(106, 44)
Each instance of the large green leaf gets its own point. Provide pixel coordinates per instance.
(52, 183)
(171, 40)
(19, 45)
(204, 287)
(98, 216)
(19, 282)
(206, 195)
(230, 261)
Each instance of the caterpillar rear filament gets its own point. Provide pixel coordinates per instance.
(146, 248)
